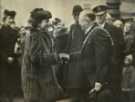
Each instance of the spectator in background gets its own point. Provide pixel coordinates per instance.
(10, 78)
(72, 72)
(128, 82)
(109, 19)
(129, 34)
(74, 42)
(131, 42)
(60, 35)
(75, 36)
(118, 24)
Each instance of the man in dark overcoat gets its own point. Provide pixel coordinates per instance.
(9, 68)
(75, 36)
(94, 65)
(118, 48)
(74, 43)
(96, 58)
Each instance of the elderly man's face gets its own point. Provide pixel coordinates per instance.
(100, 19)
(84, 22)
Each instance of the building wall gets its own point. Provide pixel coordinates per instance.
(59, 8)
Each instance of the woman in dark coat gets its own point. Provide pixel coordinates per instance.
(38, 60)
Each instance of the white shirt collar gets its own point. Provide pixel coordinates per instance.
(102, 25)
(89, 28)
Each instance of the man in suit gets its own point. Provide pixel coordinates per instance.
(75, 36)
(74, 43)
(118, 48)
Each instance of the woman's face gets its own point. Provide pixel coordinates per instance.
(44, 23)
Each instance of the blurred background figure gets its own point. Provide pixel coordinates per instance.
(60, 35)
(75, 35)
(19, 45)
(129, 34)
(128, 26)
(128, 80)
(109, 18)
(74, 44)
(9, 70)
(119, 24)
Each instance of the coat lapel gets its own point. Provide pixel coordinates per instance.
(88, 36)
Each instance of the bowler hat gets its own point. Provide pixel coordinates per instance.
(12, 14)
(77, 9)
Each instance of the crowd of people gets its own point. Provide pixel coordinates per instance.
(93, 60)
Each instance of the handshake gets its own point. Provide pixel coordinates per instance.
(10, 60)
(64, 58)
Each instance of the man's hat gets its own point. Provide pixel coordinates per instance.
(40, 14)
(77, 9)
(12, 14)
(100, 9)
(6, 12)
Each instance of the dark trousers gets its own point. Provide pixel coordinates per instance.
(80, 96)
(104, 96)
(10, 80)
(128, 96)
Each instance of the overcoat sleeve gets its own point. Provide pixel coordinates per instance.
(102, 48)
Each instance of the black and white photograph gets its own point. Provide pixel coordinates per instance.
(67, 50)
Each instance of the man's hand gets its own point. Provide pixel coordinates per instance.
(10, 60)
(64, 55)
(98, 86)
